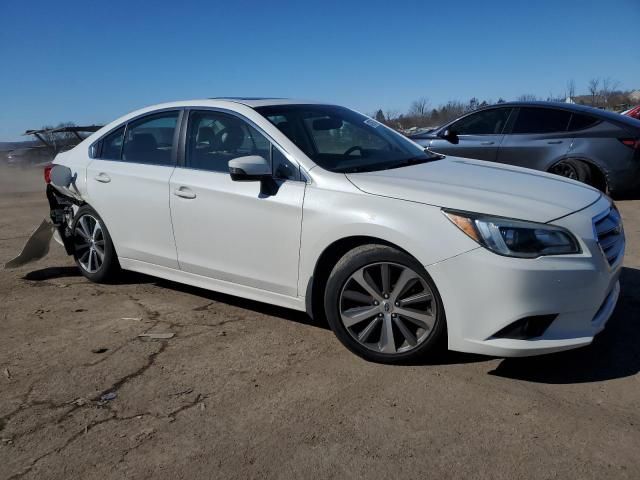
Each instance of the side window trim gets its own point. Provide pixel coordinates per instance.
(184, 127)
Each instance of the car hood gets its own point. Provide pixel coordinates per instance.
(482, 187)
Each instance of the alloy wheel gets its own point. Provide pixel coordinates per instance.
(388, 307)
(565, 170)
(89, 243)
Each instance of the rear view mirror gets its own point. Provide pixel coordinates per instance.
(327, 124)
(61, 176)
(450, 136)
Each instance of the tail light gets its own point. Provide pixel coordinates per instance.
(47, 173)
(631, 142)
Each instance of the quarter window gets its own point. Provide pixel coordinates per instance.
(541, 120)
(487, 122)
(283, 169)
(112, 145)
(149, 140)
(581, 122)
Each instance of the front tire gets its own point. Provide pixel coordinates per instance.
(93, 249)
(383, 306)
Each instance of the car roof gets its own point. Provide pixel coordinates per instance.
(572, 107)
(254, 102)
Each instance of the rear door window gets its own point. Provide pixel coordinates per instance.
(541, 120)
(150, 139)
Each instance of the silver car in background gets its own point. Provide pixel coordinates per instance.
(593, 146)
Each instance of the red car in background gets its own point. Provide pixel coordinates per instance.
(634, 112)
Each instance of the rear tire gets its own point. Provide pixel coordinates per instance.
(573, 169)
(93, 249)
(383, 306)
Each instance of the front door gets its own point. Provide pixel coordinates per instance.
(229, 230)
(479, 135)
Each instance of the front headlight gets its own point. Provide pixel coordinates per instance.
(514, 238)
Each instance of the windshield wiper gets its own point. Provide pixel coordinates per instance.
(415, 161)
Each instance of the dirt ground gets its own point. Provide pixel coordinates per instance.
(246, 390)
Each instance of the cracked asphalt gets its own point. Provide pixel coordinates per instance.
(247, 390)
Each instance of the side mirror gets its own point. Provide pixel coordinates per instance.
(254, 168)
(450, 136)
(249, 168)
(61, 176)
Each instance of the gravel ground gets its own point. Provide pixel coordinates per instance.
(246, 390)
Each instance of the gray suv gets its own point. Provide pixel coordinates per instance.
(590, 145)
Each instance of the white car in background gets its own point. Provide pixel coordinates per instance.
(318, 208)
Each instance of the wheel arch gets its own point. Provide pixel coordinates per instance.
(598, 172)
(316, 283)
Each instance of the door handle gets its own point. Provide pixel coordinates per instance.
(554, 142)
(184, 192)
(487, 143)
(102, 178)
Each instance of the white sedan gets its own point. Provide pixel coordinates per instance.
(318, 208)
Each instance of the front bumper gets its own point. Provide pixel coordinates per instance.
(483, 292)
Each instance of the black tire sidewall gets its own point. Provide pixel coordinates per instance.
(110, 264)
(582, 170)
(346, 266)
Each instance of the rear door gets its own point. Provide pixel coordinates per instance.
(479, 135)
(538, 139)
(128, 185)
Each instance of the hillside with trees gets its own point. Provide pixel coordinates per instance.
(601, 93)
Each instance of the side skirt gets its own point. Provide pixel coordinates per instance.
(178, 276)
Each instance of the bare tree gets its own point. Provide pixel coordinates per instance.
(420, 107)
(527, 97)
(571, 89)
(391, 115)
(379, 116)
(592, 86)
(608, 88)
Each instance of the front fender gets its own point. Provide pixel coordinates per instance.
(421, 230)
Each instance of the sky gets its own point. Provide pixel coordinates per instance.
(91, 62)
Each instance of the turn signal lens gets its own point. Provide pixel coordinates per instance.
(465, 224)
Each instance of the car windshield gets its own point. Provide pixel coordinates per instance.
(341, 140)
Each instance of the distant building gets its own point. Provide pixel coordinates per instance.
(635, 96)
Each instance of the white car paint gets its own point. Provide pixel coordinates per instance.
(203, 229)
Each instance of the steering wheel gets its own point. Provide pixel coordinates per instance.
(353, 149)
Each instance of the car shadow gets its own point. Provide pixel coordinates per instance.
(441, 356)
(50, 273)
(252, 305)
(614, 353)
